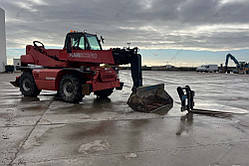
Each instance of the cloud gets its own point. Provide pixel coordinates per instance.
(181, 24)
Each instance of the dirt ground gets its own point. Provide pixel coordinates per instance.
(46, 131)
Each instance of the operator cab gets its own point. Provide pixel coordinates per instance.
(81, 41)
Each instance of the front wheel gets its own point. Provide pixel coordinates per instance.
(28, 86)
(70, 89)
(104, 93)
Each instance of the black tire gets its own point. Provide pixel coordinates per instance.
(70, 89)
(27, 85)
(104, 93)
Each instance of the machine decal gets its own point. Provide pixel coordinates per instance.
(91, 55)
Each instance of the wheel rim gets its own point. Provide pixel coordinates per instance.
(68, 88)
(26, 85)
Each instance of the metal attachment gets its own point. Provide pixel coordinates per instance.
(186, 96)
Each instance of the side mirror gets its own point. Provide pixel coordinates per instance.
(102, 39)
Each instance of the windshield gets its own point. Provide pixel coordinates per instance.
(93, 42)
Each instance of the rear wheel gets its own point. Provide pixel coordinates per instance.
(70, 89)
(104, 93)
(28, 86)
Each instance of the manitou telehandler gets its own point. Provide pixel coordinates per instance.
(82, 67)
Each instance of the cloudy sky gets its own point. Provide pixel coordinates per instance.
(179, 32)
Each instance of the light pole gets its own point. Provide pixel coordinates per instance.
(3, 58)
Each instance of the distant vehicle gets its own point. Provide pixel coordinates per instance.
(207, 68)
(241, 67)
(16, 63)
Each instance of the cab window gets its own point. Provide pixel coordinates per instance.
(82, 43)
(78, 43)
(93, 42)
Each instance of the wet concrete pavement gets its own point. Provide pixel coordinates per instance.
(46, 131)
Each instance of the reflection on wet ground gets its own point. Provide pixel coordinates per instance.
(47, 131)
(220, 114)
(186, 122)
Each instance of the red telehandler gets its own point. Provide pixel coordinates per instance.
(77, 70)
